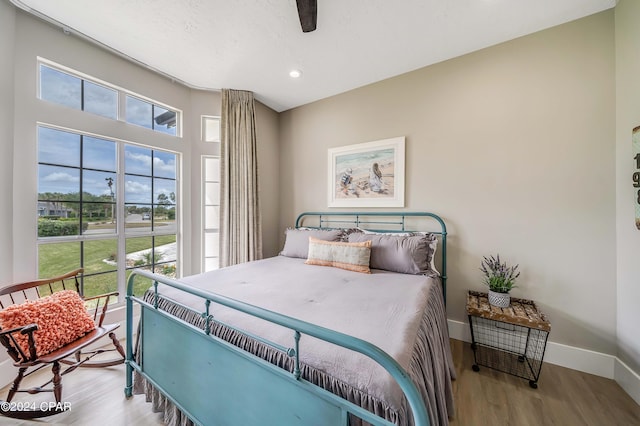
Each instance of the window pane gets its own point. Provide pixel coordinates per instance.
(139, 252)
(58, 147)
(57, 259)
(140, 284)
(212, 193)
(100, 100)
(138, 218)
(98, 186)
(61, 220)
(164, 191)
(98, 154)
(211, 263)
(211, 129)
(99, 218)
(164, 218)
(166, 245)
(100, 284)
(59, 87)
(100, 256)
(166, 269)
(212, 217)
(212, 169)
(164, 164)
(138, 112)
(56, 208)
(166, 249)
(138, 212)
(137, 189)
(211, 247)
(164, 120)
(98, 202)
(137, 160)
(58, 183)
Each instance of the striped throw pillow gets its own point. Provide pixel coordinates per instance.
(350, 256)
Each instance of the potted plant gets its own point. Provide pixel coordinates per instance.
(500, 279)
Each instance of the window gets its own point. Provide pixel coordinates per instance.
(105, 205)
(90, 199)
(211, 214)
(74, 92)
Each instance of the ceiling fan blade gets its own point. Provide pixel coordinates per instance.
(308, 13)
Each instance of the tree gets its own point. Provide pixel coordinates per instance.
(166, 205)
(163, 200)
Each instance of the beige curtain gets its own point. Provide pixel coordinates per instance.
(240, 223)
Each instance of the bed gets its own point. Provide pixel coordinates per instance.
(289, 340)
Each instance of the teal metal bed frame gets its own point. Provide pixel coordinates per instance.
(371, 221)
(214, 382)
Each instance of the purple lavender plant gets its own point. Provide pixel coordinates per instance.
(498, 276)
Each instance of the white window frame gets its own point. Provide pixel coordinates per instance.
(145, 141)
(204, 229)
(122, 94)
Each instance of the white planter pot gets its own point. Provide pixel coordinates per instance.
(501, 300)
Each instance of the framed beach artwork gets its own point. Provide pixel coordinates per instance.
(367, 174)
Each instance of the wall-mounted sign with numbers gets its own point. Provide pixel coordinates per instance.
(636, 172)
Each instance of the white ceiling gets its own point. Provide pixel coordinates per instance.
(253, 44)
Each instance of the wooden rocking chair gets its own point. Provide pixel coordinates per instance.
(71, 354)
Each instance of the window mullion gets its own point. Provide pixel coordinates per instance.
(120, 223)
(81, 263)
(80, 201)
(122, 106)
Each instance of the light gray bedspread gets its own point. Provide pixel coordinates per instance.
(402, 314)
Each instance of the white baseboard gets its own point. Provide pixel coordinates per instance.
(628, 380)
(459, 330)
(584, 360)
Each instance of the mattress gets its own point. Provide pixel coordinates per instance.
(402, 314)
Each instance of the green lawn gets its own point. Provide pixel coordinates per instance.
(58, 258)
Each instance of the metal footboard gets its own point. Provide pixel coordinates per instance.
(214, 382)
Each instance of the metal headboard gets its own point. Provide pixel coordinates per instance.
(380, 222)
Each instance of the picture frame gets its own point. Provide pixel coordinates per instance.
(635, 177)
(369, 174)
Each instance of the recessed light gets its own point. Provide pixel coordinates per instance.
(295, 73)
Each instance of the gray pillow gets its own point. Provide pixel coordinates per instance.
(404, 254)
(296, 243)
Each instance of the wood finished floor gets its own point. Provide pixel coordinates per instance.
(564, 397)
